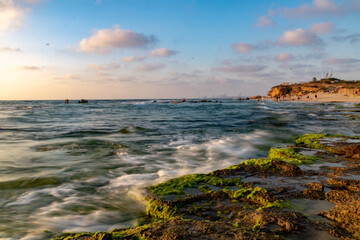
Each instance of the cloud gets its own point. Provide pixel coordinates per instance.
(227, 67)
(318, 8)
(67, 78)
(133, 59)
(30, 68)
(105, 40)
(302, 37)
(353, 38)
(98, 67)
(10, 15)
(283, 57)
(243, 47)
(32, 1)
(10, 49)
(162, 52)
(264, 21)
(322, 28)
(298, 37)
(341, 61)
(149, 67)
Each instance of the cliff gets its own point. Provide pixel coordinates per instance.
(328, 85)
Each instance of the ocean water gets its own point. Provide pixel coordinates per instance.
(83, 167)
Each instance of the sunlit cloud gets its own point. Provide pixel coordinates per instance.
(325, 8)
(9, 49)
(66, 78)
(105, 40)
(97, 67)
(32, 1)
(10, 15)
(322, 28)
(149, 67)
(264, 21)
(283, 57)
(298, 37)
(133, 58)
(30, 68)
(243, 47)
(162, 52)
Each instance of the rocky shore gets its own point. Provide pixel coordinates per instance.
(324, 90)
(309, 190)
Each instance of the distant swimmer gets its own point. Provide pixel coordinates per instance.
(184, 100)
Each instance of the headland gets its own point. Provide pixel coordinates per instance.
(324, 90)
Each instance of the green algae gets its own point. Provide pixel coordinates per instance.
(176, 186)
(291, 156)
(160, 210)
(30, 183)
(128, 234)
(310, 140)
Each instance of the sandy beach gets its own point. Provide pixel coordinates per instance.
(327, 97)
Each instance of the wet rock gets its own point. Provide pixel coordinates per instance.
(313, 194)
(315, 190)
(346, 214)
(348, 184)
(316, 186)
(287, 169)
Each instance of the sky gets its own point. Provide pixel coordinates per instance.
(130, 49)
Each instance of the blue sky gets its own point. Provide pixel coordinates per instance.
(109, 49)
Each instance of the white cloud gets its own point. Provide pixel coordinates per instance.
(283, 57)
(133, 59)
(105, 40)
(322, 28)
(243, 47)
(298, 37)
(149, 67)
(162, 52)
(10, 15)
(264, 21)
(302, 37)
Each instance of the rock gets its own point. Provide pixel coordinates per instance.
(83, 101)
(316, 186)
(256, 97)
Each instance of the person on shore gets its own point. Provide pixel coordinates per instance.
(315, 96)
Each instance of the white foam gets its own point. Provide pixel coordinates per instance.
(30, 196)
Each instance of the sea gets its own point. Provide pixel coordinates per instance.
(85, 167)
